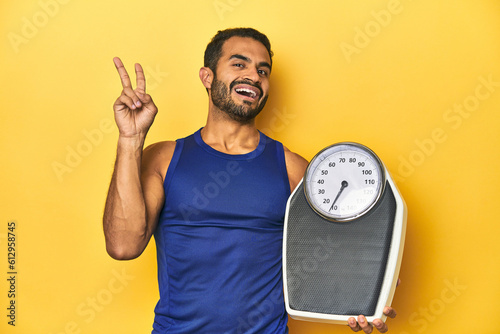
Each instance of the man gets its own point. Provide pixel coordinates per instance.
(214, 200)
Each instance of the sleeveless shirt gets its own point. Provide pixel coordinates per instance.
(219, 240)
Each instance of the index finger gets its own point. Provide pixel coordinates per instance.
(122, 72)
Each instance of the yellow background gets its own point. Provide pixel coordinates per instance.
(390, 74)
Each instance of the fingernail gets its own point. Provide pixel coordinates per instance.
(361, 320)
(138, 103)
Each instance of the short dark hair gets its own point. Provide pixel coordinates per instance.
(213, 52)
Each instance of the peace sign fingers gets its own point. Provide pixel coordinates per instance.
(132, 98)
(134, 109)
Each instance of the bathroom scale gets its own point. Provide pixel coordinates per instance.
(343, 237)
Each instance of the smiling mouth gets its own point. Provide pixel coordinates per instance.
(247, 90)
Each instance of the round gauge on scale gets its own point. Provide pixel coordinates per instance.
(344, 181)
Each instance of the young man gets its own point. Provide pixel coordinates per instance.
(214, 200)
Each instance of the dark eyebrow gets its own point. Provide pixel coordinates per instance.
(241, 57)
(237, 56)
(265, 64)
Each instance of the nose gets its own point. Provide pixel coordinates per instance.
(252, 74)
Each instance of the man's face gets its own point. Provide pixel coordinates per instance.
(241, 83)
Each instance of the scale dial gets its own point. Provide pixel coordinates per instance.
(344, 181)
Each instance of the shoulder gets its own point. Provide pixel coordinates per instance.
(156, 157)
(296, 166)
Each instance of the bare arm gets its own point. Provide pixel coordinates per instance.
(295, 166)
(135, 194)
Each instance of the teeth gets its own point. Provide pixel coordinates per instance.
(249, 91)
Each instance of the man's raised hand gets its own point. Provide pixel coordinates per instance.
(134, 109)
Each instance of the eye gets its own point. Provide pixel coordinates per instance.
(238, 65)
(263, 72)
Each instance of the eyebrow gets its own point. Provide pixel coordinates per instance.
(241, 57)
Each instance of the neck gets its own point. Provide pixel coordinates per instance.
(229, 136)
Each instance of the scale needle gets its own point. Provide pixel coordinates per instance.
(343, 185)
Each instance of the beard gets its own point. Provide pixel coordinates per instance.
(221, 97)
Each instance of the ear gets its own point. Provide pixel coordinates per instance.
(206, 77)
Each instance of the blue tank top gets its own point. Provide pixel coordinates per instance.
(219, 240)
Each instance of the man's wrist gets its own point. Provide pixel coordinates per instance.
(131, 143)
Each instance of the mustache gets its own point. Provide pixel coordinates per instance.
(246, 82)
